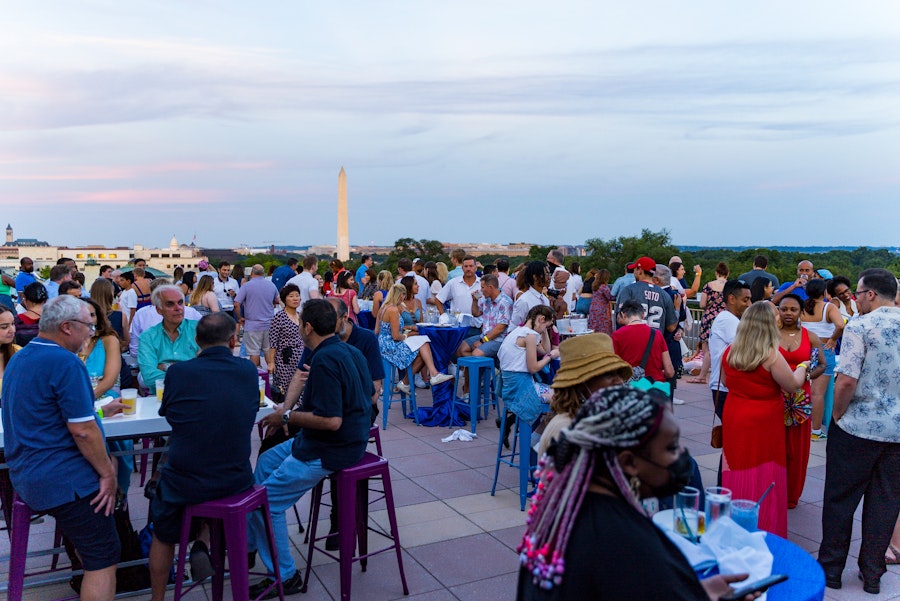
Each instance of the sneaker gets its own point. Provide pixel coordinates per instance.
(291, 586)
(440, 378)
(677, 402)
(404, 388)
(420, 383)
(201, 564)
(818, 435)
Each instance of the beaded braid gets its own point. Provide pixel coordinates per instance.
(612, 419)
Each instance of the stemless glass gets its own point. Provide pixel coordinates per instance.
(718, 503)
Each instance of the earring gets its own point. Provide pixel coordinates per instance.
(634, 483)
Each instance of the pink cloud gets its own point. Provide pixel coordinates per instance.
(157, 197)
(99, 172)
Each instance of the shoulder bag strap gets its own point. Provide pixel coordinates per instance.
(647, 350)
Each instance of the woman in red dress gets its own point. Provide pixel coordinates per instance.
(796, 346)
(754, 453)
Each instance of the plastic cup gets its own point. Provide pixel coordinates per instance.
(688, 520)
(718, 503)
(129, 399)
(745, 514)
(160, 388)
(262, 392)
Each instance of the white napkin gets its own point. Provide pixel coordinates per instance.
(738, 551)
(444, 319)
(463, 435)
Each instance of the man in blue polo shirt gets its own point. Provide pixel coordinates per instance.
(55, 445)
(334, 430)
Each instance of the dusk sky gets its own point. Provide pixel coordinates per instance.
(753, 123)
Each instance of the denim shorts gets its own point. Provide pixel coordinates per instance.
(93, 534)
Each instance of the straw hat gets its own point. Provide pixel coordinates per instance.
(585, 357)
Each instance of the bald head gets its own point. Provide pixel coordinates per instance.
(805, 268)
(257, 270)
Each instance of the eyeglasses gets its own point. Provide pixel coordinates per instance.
(90, 326)
(861, 291)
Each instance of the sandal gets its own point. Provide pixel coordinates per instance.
(895, 560)
(696, 381)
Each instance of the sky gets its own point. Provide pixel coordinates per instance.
(756, 123)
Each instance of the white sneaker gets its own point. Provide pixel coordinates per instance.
(402, 387)
(420, 383)
(677, 402)
(438, 379)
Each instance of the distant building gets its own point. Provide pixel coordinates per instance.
(43, 254)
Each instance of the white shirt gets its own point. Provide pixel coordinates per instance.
(721, 334)
(147, 317)
(530, 298)
(573, 289)
(460, 296)
(512, 356)
(128, 300)
(221, 289)
(306, 283)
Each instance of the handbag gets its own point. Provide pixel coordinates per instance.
(797, 407)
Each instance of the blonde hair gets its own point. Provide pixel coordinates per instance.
(442, 272)
(385, 279)
(201, 288)
(757, 336)
(394, 294)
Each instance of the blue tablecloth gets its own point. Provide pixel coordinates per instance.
(444, 342)
(366, 319)
(806, 580)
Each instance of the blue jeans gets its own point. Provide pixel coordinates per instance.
(286, 479)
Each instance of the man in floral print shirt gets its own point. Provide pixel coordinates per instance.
(864, 438)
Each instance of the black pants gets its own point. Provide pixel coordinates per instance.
(719, 397)
(856, 467)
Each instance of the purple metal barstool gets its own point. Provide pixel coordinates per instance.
(353, 498)
(232, 514)
(19, 529)
(374, 437)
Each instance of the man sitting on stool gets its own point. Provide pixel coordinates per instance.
(334, 431)
(211, 403)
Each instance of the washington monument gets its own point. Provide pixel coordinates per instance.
(343, 235)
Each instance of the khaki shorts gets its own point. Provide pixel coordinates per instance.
(256, 343)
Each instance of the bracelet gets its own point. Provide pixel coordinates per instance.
(100, 412)
(804, 364)
(485, 339)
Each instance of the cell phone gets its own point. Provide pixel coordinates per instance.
(760, 586)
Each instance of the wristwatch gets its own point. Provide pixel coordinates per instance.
(286, 417)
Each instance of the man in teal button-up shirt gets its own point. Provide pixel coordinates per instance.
(168, 342)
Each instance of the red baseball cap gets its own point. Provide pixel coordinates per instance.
(645, 264)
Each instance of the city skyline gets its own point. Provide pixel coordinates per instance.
(729, 125)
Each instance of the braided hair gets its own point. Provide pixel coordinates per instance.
(612, 419)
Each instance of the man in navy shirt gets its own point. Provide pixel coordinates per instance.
(57, 456)
(334, 430)
(211, 403)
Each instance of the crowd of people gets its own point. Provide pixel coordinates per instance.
(786, 364)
